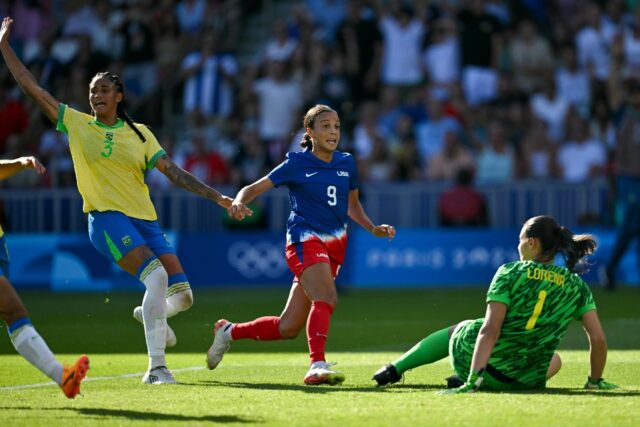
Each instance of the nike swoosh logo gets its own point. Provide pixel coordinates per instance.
(69, 378)
(310, 174)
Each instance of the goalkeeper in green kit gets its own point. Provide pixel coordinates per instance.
(530, 304)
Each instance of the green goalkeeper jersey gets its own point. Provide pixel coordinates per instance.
(541, 300)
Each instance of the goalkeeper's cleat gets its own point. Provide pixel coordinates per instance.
(388, 374)
(172, 339)
(454, 381)
(323, 375)
(600, 384)
(159, 375)
(221, 343)
(73, 375)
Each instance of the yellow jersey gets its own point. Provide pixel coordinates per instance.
(109, 162)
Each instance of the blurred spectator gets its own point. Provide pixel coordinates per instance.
(360, 41)
(377, 167)
(190, 15)
(209, 75)
(496, 160)
(581, 157)
(529, 57)
(140, 73)
(480, 48)
(593, 42)
(538, 154)
(251, 160)
(442, 58)
(549, 106)
(14, 119)
(169, 48)
(281, 46)
(54, 153)
(462, 205)
(367, 129)
(430, 134)
(454, 157)
(573, 82)
(403, 35)
(334, 84)
(205, 164)
(279, 101)
(631, 42)
(327, 15)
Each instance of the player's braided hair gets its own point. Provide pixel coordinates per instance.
(309, 121)
(115, 79)
(555, 238)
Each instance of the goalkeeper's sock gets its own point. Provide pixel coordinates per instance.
(429, 350)
(318, 328)
(265, 328)
(32, 347)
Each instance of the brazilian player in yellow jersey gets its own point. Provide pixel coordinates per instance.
(530, 304)
(110, 155)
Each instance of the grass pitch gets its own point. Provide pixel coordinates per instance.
(261, 383)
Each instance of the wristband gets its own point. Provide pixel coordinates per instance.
(475, 378)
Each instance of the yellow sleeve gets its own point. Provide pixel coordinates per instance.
(153, 149)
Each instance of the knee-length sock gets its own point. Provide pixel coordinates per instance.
(32, 347)
(431, 349)
(317, 329)
(154, 310)
(265, 328)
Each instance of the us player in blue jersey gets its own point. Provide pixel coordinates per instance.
(323, 190)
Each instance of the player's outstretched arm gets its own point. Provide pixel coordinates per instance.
(238, 209)
(47, 103)
(11, 167)
(597, 352)
(183, 179)
(356, 212)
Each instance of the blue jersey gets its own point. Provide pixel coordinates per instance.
(319, 195)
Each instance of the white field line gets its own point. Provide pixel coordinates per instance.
(113, 377)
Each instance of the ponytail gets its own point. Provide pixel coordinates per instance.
(555, 238)
(574, 247)
(115, 79)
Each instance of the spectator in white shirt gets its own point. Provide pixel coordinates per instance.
(581, 157)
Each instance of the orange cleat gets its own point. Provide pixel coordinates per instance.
(73, 375)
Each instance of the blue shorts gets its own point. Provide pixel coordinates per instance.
(114, 235)
(4, 257)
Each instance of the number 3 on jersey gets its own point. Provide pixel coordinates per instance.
(542, 295)
(332, 194)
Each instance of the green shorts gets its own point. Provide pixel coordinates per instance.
(461, 345)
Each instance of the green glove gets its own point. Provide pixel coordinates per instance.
(599, 384)
(472, 384)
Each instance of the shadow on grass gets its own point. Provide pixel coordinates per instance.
(311, 389)
(621, 392)
(140, 415)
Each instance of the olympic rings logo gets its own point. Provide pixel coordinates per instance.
(253, 260)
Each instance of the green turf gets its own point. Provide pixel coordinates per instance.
(260, 383)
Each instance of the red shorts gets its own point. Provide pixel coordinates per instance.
(303, 255)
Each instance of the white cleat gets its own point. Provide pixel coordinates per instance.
(221, 344)
(159, 375)
(323, 375)
(172, 339)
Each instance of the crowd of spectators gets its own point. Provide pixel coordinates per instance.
(505, 89)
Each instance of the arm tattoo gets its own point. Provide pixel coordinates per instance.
(183, 179)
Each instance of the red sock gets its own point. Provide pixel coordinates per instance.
(318, 328)
(265, 328)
